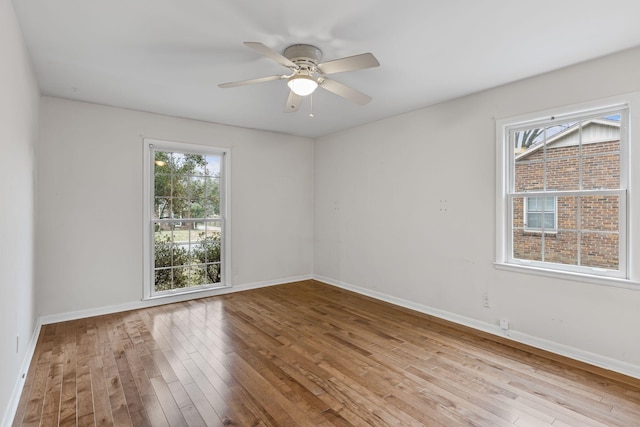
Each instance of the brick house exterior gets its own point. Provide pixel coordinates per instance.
(588, 236)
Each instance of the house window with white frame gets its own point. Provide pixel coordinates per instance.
(564, 183)
(185, 215)
(540, 214)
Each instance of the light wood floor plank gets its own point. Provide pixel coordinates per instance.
(303, 354)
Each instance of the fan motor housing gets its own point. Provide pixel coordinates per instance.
(303, 55)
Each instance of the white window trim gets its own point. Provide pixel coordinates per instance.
(630, 229)
(225, 199)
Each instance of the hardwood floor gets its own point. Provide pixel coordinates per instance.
(306, 354)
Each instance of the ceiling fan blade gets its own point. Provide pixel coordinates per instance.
(293, 102)
(345, 91)
(270, 53)
(351, 63)
(250, 81)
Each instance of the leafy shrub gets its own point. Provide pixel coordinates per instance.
(174, 268)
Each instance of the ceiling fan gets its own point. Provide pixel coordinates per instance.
(307, 73)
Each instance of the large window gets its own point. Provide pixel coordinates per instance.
(185, 217)
(564, 184)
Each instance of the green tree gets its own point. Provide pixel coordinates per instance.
(180, 180)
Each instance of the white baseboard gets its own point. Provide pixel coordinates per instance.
(152, 302)
(12, 406)
(541, 343)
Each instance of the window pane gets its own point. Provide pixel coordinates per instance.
(197, 275)
(561, 247)
(527, 139)
(180, 253)
(534, 204)
(601, 152)
(196, 189)
(163, 252)
(208, 245)
(529, 175)
(195, 164)
(196, 198)
(534, 220)
(213, 273)
(527, 245)
(601, 171)
(599, 250)
(180, 186)
(161, 207)
(162, 162)
(163, 279)
(196, 238)
(162, 185)
(213, 166)
(567, 212)
(549, 204)
(518, 212)
(562, 173)
(180, 208)
(180, 277)
(211, 197)
(163, 246)
(599, 213)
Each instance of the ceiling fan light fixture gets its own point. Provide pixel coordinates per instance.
(302, 85)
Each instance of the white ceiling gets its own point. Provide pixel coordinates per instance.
(168, 56)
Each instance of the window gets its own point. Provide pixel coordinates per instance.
(540, 214)
(564, 183)
(185, 218)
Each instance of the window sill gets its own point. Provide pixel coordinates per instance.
(534, 232)
(567, 275)
(183, 295)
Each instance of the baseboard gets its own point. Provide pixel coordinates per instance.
(135, 305)
(12, 407)
(594, 359)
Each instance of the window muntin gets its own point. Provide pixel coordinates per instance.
(186, 218)
(566, 186)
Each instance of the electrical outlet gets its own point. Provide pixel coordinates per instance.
(485, 300)
(504, 324)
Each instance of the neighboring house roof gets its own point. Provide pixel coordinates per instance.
(593, 131)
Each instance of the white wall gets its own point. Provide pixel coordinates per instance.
(18, 132)
(89, 187)
(405, 209)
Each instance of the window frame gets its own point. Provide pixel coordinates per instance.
(149, 146)
(626, 275)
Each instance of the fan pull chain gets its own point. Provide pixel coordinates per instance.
(311, 105)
